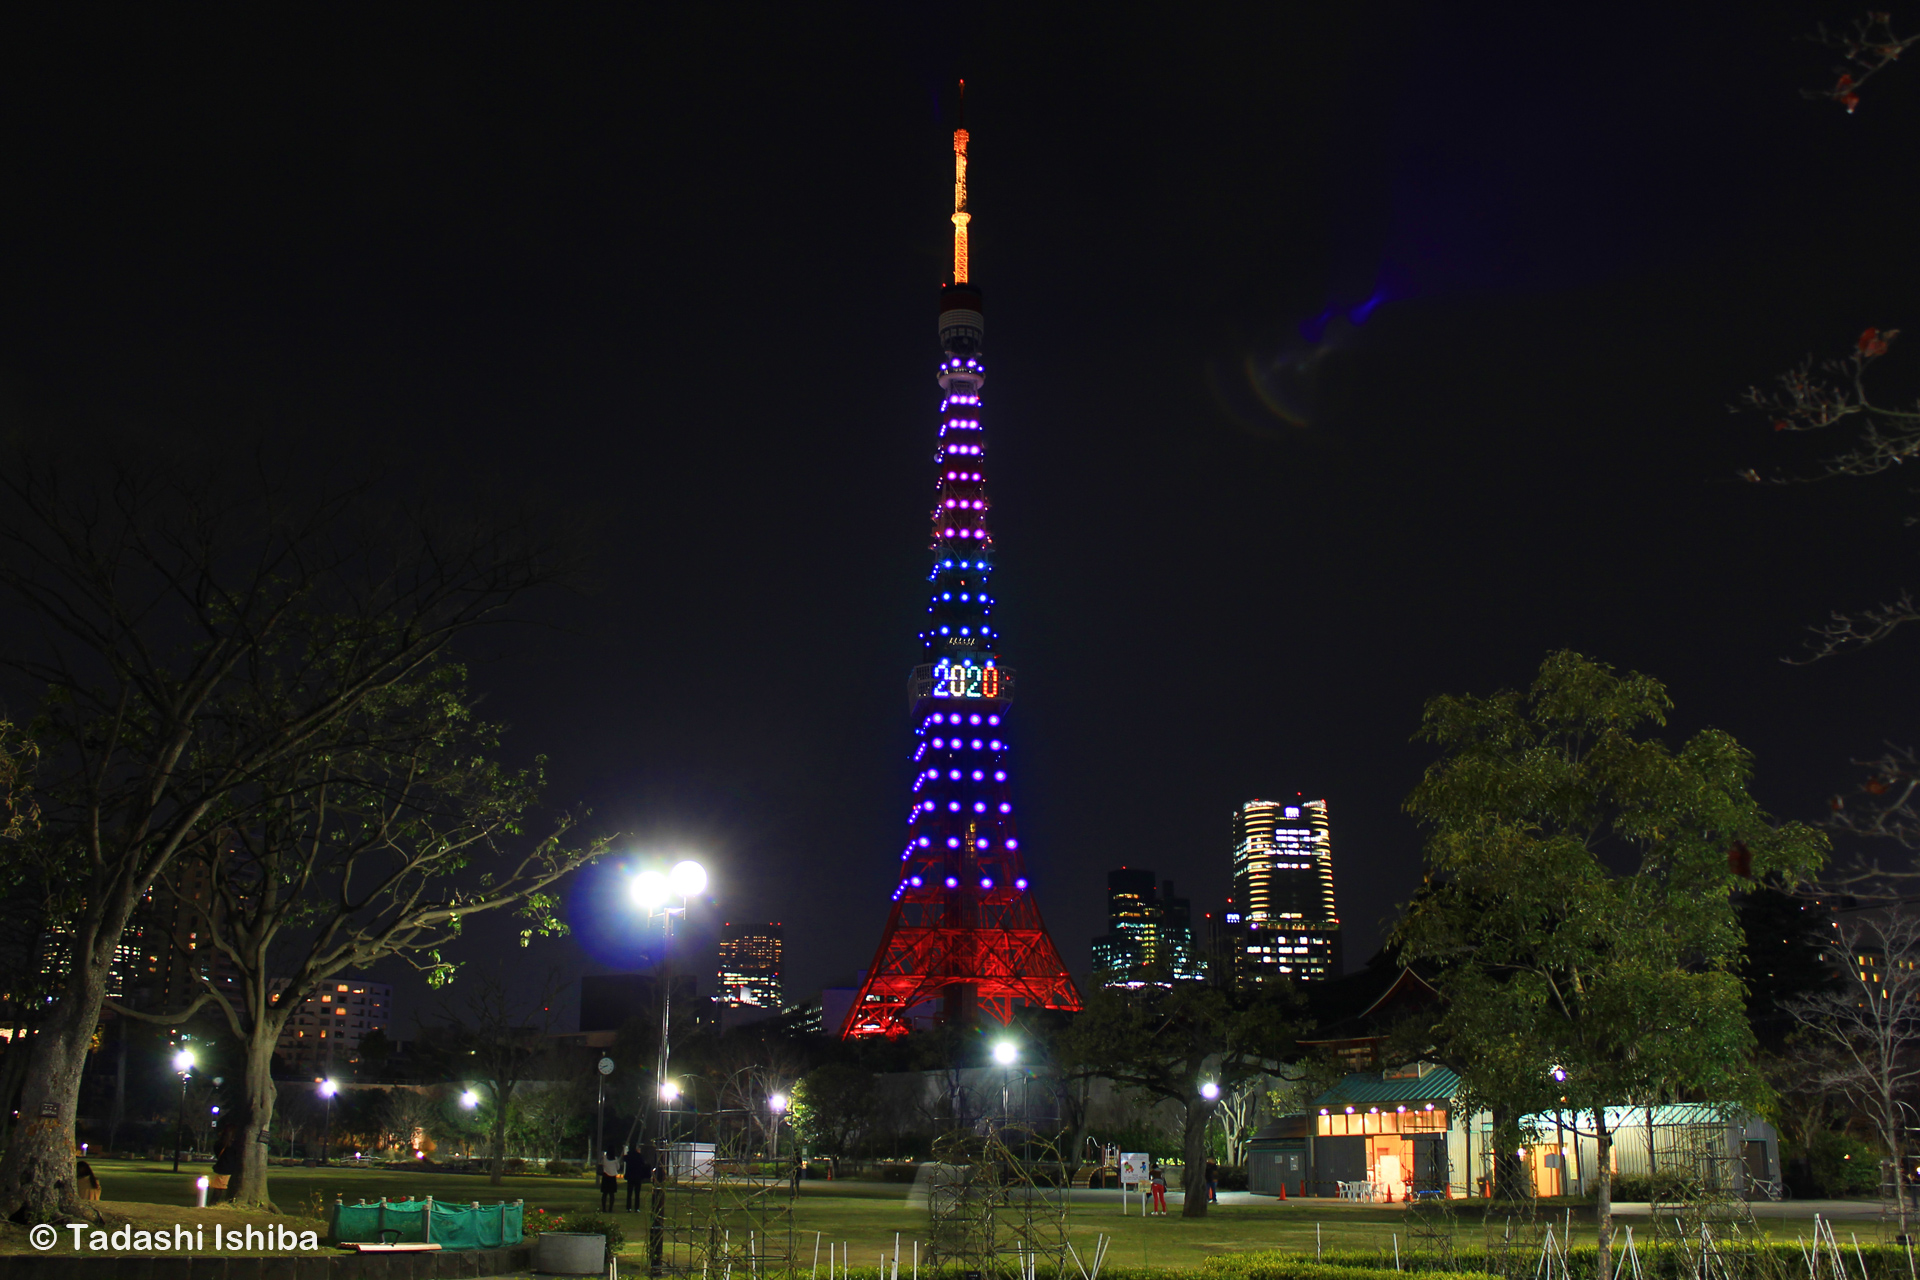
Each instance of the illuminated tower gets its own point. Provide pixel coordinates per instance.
(1283, 886)
(964, 933)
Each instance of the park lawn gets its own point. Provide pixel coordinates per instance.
(866, 1225)
(310, 1191)
(864, 1216)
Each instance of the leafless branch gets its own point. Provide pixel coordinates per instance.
(1869, 47)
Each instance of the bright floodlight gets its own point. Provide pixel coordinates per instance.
(469, 1099)
(669, 1091)
(328, 1088)
(183, 1060)
(1006, 1053)
(1209, 1091)
(777, 1102)
(689, 879)
(650, 890)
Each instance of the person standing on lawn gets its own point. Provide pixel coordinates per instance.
(1213, 1182)
(637, 1164)
(1159, 1184)
(609, 1180)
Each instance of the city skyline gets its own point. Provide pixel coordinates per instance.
(1328, 384)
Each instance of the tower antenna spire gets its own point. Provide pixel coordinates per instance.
(960, 215)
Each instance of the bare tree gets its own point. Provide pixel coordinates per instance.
(197, 628)
(412, 1115)
(1869, 1024)
(1868, 47)
(491, 1036)
(748, 1070)
(1235, 1115)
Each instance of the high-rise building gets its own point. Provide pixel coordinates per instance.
(750, 966)
(1283, 889)
(164, 958)
(1149, 930)
(964, 933)
(323, 1035)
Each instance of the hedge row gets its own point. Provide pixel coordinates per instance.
(1286, 1264)
(1276, 1264)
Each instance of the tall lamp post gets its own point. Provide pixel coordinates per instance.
(327, 1089)
(777, 1105)
(182, 1063)
(1006, 1053)
(652, 891)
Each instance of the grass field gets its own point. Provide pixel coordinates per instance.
(864, 1216)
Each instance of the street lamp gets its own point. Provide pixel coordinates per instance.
(1210, 1091)
(1006, 1053)
(327, 1089)
(469, 1099)
(182, 1063)
(777, 1104)
(651, 891)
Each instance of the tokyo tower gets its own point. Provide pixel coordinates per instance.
(964, 933)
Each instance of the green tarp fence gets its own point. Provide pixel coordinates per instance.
(455, 1226)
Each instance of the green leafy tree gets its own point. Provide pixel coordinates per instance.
(833, 1108)
(1172, 1040)
(1581, 878)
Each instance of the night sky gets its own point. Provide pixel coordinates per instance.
(676, 270)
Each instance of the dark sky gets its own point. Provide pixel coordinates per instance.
(677, 268)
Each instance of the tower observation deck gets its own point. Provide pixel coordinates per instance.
(964, 933)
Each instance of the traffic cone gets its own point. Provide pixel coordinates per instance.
(1283, 1188)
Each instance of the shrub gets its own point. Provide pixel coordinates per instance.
(1669, 1187)
(1842, 1165)
(593, 1224)
(513, 1164)
(1233, 1177)
(1285, 1264)
(899, 1172)
(563, 1168)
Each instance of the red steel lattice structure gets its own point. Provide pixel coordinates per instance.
(964, 934)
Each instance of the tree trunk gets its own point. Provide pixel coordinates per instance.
(1193, 1151)
(250, 1185)
(37, 1174)
(1897, 1148)
(119, 1112)
(1079, 1099)
(1653, 1165)
(13, 1074)
(1602, 1190)
(1509, 1178)
(502, 1096)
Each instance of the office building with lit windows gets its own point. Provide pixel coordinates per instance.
(1149, 930)
(750, 966)
(323, 1035)
(1283, 892)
